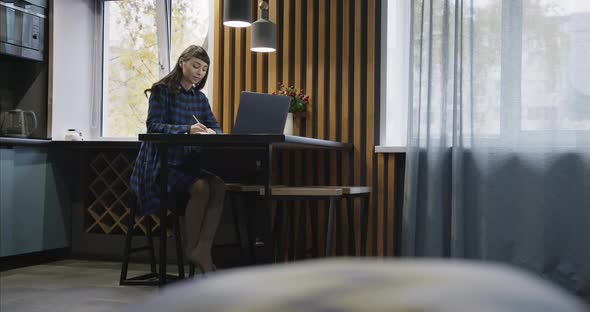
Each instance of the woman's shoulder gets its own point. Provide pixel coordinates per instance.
(160, 89)
(201, 95)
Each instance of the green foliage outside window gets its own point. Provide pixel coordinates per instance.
(131, 57)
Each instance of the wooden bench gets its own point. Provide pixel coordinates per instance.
(331, 193)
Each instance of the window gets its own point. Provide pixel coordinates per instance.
(395, 68)
(190, 23)
(141, 38)
(529, 74)
(555, 74)
(536, 81)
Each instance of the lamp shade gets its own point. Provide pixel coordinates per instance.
(263, 36)
(237, 13)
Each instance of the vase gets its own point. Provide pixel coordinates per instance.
(289, 125)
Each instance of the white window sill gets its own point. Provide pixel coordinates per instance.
(390, 149)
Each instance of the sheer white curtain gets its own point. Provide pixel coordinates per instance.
(498, 162)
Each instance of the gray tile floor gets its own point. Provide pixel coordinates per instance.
(70, 285)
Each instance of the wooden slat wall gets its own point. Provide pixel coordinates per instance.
(330, 48)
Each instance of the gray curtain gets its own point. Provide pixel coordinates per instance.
(498, 161)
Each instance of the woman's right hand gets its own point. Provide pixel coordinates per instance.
(198, 128)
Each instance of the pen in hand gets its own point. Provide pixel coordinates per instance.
(198, 122)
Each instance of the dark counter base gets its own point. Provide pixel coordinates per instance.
(10, 142)
(33, 258)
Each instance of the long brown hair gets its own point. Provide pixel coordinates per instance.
(171, 80)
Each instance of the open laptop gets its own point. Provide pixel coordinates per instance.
(261, 113)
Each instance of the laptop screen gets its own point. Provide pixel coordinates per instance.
(261, 113)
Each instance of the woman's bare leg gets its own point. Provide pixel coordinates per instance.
(211, 222)
(195, 214)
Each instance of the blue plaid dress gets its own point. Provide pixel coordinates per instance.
(170, 111)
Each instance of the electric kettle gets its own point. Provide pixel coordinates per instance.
(18, 123)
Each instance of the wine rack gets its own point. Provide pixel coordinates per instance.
(110, 197)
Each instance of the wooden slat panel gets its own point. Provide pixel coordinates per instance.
(217, 60)
(306, 31)
(390, 203)
(309, 86)
(380, 203)
(345, 104)
(250, 59)
(273, 57)
(321, 99)
(334, 32)
(347, 83)
(370, 104)
(310, 64)
(287, 43)
(261, 72)
(227, 83)
(239, 69)
(309, 181)
(322, 215)
(287, 54)
(333, 91)
(321, 102)
(357, 130)
(298, 48)
(298, 73)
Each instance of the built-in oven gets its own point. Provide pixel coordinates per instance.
(23, 27)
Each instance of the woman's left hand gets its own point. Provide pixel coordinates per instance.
(211, 131)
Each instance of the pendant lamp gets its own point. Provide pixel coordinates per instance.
(263, 36)
(237, 13)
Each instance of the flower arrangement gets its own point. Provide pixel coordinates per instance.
(299, 100)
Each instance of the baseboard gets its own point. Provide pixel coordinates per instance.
(33, 258)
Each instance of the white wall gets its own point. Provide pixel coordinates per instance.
(73, 72)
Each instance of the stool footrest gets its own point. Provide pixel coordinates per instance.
(147, 279)
(138, 249)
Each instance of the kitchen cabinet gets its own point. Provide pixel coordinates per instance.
(35, 200)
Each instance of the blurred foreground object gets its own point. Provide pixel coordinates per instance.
(357, 284)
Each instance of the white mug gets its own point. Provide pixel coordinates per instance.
(73, 135)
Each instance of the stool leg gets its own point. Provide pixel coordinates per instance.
(150, 241)
(314, 229)
(230, 201)
(284, 231)
(351, 234)
(291, 233)
(338, 235)
(302, 230)
(277, 229)
(179, 251)
(250, 234)
(364, 226)
(127, 248)
(329, 229)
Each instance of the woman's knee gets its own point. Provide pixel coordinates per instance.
(217, 184)
(199, 187)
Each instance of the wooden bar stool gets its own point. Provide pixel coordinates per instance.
(285, 193)
(151, 278)
(350, 193)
